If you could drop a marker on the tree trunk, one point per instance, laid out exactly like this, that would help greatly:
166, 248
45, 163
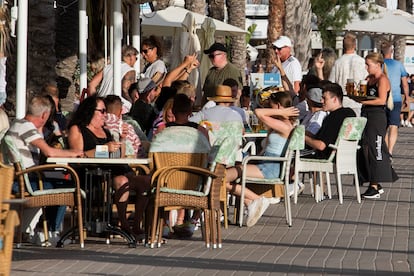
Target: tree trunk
275, 27
382, 3
198, 6
299, 31
237, 17
162, 4
216, 9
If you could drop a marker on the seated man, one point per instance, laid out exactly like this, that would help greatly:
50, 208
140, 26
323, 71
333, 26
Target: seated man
30, 143
314, 117
331, 102
222, 112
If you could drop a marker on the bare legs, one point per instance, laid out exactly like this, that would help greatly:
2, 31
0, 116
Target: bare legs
391, 137
232, 174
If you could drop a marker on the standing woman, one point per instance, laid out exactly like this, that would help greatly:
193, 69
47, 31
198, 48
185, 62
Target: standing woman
375, 159
152, 53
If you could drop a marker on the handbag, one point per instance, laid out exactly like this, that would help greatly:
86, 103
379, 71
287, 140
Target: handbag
390, 101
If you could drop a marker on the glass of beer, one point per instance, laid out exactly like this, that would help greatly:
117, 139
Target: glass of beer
350, 87
363, 88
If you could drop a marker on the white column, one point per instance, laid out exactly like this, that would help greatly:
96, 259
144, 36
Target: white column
136, 34
21, 67
83, 45
117, 26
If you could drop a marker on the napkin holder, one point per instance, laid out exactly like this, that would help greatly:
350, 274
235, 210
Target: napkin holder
102, 151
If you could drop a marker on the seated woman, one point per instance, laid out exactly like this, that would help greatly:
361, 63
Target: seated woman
86, 131
280, 121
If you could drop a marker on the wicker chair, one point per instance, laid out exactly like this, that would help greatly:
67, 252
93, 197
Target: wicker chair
8, 219
44, 197
177, 147
182, 180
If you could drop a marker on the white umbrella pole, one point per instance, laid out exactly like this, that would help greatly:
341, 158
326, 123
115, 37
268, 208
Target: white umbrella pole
83, 44
21, 60
117, 25
136, 32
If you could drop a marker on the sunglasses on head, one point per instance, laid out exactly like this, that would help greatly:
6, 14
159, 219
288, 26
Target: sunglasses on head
102, 111
146, 50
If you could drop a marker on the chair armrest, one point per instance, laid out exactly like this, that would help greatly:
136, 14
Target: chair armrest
49, 167
333, 146
42, 168
137, 168
168, 171
247, 159
162, 175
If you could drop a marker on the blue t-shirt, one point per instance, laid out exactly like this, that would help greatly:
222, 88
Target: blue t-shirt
396, 71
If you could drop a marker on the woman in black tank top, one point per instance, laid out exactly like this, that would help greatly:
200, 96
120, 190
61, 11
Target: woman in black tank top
375, 165
86, 131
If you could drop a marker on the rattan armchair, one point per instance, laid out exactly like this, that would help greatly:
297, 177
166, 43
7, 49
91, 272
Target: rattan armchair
44, 197
177, 153
8, 219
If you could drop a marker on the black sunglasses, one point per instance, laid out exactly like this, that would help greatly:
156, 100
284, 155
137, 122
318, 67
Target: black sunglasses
103, 110
277, 48
146, 50
214, 55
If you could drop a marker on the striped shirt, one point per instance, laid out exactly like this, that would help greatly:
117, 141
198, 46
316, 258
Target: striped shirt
23, 133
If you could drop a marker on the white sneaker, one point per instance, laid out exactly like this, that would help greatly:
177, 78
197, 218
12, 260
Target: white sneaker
402, 123
408, 124
291, 189
255, 210
273, 200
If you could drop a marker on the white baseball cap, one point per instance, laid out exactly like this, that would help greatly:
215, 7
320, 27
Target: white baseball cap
282, 41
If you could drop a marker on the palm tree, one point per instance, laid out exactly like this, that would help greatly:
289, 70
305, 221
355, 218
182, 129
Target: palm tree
237, 17
277, 12
216, 9
198, 6
299, 30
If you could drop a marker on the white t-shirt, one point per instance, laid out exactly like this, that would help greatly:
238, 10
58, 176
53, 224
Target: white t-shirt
348, 66
292, 68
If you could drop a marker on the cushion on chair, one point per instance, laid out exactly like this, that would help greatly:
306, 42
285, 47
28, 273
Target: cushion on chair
189, 141
352, 128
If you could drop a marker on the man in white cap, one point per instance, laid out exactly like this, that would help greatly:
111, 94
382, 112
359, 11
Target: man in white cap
283, 50
221, 70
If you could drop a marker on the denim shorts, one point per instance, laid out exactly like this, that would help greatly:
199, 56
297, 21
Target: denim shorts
270, 169
393, 116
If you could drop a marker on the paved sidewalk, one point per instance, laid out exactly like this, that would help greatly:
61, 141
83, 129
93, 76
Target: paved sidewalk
374, 237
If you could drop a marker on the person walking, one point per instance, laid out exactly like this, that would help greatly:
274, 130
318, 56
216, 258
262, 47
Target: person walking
399, 85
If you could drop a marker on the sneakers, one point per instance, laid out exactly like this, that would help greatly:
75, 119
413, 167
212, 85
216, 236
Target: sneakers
402, 123
380, 189
184, 230
408, 123
371, 193
255, 210
291, 189
273, 200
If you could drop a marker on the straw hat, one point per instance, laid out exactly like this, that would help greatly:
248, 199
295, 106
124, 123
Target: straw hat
223, 95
